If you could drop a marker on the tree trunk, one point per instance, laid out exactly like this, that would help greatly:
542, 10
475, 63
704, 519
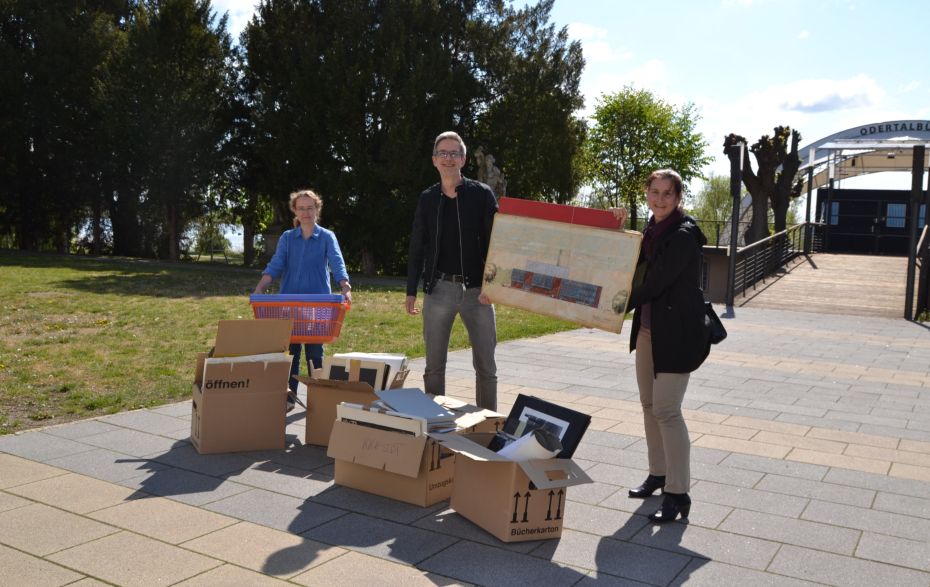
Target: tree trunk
248, 244
369, 267
171, 228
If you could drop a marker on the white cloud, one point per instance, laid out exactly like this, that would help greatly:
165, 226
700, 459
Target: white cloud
804, 34
825, 95
909, 87
584, 31
595, 44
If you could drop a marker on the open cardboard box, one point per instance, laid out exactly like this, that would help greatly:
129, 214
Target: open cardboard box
513, 501
240, 388
376, 451
323, 395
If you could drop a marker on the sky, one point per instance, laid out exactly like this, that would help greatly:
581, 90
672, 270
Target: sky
819, 66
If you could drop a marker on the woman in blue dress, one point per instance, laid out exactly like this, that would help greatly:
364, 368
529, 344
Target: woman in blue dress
305, 255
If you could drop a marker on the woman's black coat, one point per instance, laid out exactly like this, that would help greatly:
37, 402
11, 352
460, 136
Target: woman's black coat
671, 283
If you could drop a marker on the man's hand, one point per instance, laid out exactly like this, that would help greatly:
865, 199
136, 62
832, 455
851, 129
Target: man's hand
410, 304
484, 299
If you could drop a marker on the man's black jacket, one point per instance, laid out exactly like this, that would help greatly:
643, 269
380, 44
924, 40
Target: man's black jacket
477, 206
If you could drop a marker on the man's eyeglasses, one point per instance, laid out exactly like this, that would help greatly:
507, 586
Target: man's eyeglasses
449, 154
307, 209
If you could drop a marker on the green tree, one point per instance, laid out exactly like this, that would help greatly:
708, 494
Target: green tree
54, 55
773, 184
633, 134
713, 205
529, 125
176, 91
346, 97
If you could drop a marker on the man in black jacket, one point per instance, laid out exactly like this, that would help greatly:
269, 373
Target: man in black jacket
448, 248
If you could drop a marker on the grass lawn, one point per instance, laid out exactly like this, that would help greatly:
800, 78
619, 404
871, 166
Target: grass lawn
81, 337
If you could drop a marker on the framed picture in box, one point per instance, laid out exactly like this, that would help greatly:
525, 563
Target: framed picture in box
530, 413
371, 372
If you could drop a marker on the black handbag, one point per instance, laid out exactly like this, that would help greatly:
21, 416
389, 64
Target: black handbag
715, 330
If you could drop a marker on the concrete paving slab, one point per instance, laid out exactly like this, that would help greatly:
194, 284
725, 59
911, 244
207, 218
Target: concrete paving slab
374, 505
131, 442
265, 550
791, 531
75, 493
163, 519
814, 490
78, 430
868, 520
275, 510
447, 521
901, 552
107, 465
738, 549
381, 538
185, 456
702, 573
185, 486
147, 421
484, 565
19, 471
614, 557
41, 530
21, 569
11, 502
231, 576
41, 447
128, 559
834, 569
354, 569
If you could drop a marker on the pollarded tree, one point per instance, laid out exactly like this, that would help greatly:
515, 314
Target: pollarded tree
633, 134
778, 162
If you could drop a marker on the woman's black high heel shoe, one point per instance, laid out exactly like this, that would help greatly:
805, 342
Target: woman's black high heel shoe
649, 486
672, 505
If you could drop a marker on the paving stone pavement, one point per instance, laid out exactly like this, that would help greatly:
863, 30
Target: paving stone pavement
811, 466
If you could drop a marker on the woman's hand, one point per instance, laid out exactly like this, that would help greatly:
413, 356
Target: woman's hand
620, 214
346, 290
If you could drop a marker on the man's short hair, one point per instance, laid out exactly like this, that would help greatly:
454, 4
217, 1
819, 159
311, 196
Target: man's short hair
449, 135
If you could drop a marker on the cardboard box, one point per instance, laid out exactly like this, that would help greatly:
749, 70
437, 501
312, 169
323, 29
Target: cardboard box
377, 453
240, 388
513, 501
405, 467
323, 395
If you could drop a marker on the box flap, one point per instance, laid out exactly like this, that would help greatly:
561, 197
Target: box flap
463, 445
335, 383
379, 449
370, 415
251, 337
567, 472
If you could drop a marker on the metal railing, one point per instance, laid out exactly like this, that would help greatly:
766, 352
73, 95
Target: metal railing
756, 262
923, 275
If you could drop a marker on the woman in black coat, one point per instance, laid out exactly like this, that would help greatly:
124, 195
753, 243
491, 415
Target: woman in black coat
669, 337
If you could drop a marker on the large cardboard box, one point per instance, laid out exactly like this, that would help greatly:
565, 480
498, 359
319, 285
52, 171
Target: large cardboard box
513, 501
240, 388
390, 455
323, 395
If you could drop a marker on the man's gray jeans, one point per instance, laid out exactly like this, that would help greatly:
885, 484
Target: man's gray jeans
439, 309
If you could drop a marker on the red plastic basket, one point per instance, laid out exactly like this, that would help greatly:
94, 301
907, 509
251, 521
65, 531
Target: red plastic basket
317, 318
